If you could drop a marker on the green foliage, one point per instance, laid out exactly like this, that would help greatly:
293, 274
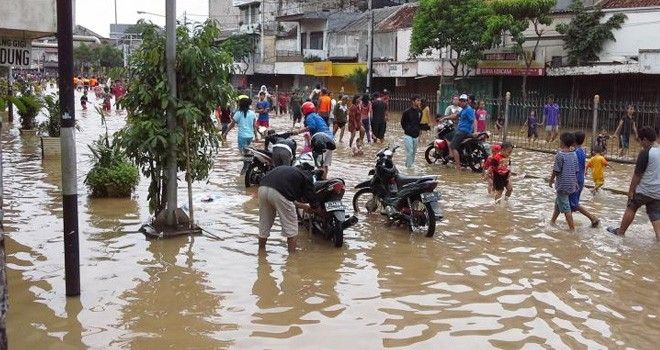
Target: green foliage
585, 35
241, 47
116, 73
312, 59
93, 57
454, 24
53, 125
358, 78
203, 82
112, 174
3, 104
28, 107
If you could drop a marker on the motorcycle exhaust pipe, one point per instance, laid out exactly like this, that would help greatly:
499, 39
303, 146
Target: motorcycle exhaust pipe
247, 160
349, 222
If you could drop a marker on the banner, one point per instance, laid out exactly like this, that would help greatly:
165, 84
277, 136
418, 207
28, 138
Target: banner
15, 52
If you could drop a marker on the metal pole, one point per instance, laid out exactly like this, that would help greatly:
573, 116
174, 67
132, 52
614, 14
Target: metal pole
277, 100
170, 57
10, 93
68, 148
115, 11
262, 9
594, 123
506, 116
370, 51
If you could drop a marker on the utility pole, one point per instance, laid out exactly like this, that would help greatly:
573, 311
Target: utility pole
170, 58
68, 148
370, 51
261, 30
115, 11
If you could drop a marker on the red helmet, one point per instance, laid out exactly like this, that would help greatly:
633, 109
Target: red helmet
308, 108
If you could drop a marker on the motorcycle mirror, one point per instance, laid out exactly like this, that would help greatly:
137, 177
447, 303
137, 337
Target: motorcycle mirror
372, 172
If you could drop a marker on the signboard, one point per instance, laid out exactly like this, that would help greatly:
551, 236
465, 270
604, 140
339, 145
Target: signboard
501, 56
15, 52
532, 72
319, 69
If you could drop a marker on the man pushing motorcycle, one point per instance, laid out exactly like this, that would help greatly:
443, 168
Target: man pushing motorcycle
467, 123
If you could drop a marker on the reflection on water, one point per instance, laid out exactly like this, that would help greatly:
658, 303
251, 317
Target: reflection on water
494, 276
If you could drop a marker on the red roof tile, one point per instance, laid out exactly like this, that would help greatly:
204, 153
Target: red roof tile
403, 18
616, 4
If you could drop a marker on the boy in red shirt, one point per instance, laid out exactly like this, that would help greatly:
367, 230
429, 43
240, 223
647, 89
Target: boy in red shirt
501, 172
488, 163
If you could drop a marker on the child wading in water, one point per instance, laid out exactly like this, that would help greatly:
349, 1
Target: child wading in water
565, 171
531, 126
501, 172
597, 164
574, 198
83, 101
488, 164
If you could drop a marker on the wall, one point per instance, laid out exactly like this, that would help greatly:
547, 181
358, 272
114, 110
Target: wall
343, 44
385, 45
36, 17
225, 13
288, 44
639, 31
403, 38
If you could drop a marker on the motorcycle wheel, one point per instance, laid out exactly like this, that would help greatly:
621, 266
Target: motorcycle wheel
476, 160
430, 155
371, 205
336, 233
253, 175
420, 208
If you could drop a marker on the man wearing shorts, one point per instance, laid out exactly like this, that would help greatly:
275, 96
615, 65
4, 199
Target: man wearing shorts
278, 190
645, 184
625, 129
466, 126
551, 119
263, 107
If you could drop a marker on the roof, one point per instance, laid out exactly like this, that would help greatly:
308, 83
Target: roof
618, 4
403, 18
339, 20
80, 30
360, 22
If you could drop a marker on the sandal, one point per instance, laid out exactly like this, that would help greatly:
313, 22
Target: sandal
614, 231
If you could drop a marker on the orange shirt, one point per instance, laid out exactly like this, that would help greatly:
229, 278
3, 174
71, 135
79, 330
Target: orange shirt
325, 104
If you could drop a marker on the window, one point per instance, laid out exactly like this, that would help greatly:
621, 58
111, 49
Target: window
316, 40
303, 41
250, 14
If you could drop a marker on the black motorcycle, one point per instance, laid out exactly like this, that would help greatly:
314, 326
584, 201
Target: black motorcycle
258, 162
404, 200
327, 214
472, 150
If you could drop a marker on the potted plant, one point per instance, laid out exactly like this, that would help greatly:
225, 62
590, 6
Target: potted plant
28, 107
112, 174
51, 128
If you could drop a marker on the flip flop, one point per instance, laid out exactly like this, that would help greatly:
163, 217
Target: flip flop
612, 230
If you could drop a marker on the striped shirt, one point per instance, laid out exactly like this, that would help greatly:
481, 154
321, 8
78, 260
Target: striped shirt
566, 168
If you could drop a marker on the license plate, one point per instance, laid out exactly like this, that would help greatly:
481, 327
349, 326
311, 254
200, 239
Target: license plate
334, 206
430, 197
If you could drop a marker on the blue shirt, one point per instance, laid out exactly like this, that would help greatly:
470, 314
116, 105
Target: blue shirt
466, 120
245, 122
266, 106
581, 161
566, 164
551, 112
316, 124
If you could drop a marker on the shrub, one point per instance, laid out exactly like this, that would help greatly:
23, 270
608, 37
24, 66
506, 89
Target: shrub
28, 107
112, 174
52, 126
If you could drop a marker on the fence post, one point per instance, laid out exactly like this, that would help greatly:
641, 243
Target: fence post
250, 92
505, 129
594, 123
438, 101
276, 100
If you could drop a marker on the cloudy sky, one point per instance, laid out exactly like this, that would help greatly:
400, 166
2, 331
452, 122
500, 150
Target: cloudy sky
98, 14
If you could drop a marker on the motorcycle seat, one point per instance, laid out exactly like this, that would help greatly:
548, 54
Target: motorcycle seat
406, 180
320, 184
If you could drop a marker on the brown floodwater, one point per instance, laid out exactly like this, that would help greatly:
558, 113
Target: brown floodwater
494, 276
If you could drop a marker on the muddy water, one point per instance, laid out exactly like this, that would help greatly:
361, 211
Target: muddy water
494, 276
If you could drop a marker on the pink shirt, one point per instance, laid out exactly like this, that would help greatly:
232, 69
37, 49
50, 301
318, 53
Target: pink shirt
365, 110
481, 119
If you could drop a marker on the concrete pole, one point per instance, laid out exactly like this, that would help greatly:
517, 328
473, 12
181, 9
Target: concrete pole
68, 145
594, 123
506, 116
10, 93
262, 10
276, 100
170, 57
370, 51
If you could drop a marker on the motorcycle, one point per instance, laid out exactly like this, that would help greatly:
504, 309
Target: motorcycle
258, 162
472, 150
327, 213
403, 200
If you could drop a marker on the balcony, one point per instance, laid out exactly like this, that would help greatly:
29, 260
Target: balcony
288, 56
310, 53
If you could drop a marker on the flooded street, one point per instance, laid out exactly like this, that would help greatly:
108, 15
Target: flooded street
493, 276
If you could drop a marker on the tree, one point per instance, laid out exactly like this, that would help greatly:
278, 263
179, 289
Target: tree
203, 82
241, 47
585, 35
457, 25
358, 78
514, 17
84, 57
94, 57
109, 56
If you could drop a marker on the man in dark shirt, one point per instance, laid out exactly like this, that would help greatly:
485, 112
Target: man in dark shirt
278, 190
410, 123
378, 118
